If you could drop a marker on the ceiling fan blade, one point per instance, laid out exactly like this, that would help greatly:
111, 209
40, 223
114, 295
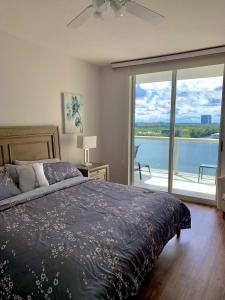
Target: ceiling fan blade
81, 18
143, 12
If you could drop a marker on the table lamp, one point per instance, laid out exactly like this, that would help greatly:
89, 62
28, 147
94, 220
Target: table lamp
86, 142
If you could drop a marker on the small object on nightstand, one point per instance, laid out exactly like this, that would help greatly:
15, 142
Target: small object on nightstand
98, 171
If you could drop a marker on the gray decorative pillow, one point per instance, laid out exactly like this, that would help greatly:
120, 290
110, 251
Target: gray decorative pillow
27, 178
31, 177
7, 186
60, 171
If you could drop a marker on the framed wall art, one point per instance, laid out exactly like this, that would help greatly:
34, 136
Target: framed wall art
73, 113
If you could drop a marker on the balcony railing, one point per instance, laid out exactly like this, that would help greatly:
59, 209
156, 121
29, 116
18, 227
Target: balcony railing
177, 143
195, 140
189, 155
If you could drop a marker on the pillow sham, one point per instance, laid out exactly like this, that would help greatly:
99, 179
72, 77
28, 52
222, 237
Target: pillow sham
31, 177
30, 162
7, 186
60, 171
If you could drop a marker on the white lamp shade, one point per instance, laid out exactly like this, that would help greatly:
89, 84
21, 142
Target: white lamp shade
86, 142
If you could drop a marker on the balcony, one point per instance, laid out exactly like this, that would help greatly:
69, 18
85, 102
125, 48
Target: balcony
189, 154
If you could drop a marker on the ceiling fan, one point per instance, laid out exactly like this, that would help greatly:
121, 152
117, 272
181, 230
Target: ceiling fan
119, 7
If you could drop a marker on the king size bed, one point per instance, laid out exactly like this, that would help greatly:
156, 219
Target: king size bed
78, 238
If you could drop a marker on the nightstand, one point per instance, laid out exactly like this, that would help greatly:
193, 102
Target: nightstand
97, 170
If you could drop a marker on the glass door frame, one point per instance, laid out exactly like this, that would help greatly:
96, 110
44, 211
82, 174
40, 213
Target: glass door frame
172, 130
222, 128
172, 136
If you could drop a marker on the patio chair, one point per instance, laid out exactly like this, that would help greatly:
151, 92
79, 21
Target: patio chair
137, 165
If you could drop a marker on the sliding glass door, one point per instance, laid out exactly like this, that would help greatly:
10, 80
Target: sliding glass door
152, 130
176, 133
197, 130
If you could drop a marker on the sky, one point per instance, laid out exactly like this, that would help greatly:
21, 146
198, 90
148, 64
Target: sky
195, 97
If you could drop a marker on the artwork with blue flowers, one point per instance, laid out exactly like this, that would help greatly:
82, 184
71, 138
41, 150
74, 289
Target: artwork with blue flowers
73, 113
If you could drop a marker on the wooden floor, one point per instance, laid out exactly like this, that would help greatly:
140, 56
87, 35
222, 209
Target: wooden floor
192, 268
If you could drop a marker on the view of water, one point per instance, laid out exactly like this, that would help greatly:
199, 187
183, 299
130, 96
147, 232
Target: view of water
191, 155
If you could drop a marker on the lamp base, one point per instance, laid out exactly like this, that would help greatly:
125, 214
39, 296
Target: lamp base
86, 158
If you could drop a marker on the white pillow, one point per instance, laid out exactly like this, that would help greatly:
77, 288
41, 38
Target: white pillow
30, 162
40, 174
31, 177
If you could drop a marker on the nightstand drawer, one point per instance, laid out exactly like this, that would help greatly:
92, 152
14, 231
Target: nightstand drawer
99, 174
96, 170
96, 173
100, 177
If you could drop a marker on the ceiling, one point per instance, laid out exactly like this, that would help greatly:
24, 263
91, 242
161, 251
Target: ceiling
189, 25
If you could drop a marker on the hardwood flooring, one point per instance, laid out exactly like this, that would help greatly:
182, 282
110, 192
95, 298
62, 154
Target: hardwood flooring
192, 267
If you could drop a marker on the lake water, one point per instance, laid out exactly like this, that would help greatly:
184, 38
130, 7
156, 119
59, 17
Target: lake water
191, 155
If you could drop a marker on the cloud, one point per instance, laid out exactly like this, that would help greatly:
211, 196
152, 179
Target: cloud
195, 97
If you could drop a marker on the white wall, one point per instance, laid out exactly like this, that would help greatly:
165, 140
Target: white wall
32, 79
116, 105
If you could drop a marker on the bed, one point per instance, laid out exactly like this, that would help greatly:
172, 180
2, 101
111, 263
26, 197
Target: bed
78, 238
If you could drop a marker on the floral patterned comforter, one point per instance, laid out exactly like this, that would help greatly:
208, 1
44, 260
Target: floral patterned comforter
85, 240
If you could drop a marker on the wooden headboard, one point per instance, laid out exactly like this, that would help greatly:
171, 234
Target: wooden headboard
28, 143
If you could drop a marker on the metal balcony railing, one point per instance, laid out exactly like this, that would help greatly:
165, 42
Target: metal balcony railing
177, 142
